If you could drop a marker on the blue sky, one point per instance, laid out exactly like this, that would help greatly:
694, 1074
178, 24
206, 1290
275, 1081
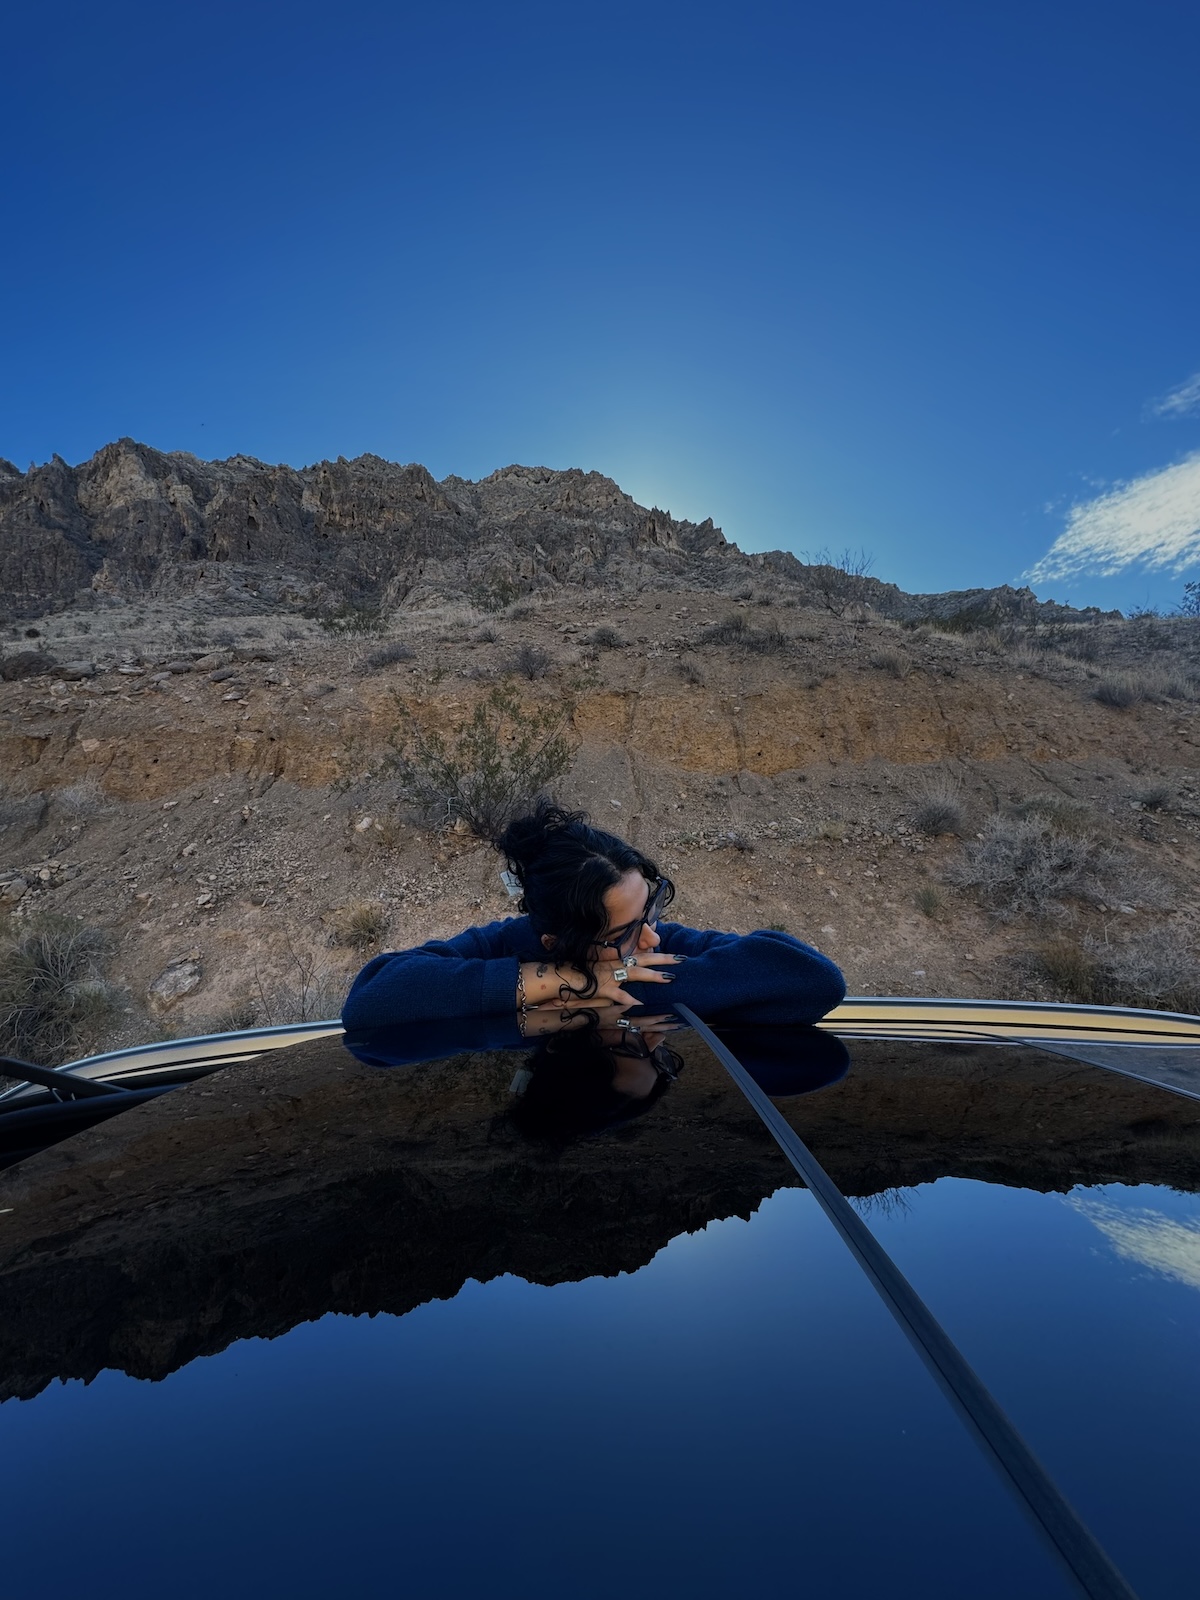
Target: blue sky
915, 278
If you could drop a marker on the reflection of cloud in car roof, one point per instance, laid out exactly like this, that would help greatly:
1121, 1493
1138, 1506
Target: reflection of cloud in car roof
1147, 1237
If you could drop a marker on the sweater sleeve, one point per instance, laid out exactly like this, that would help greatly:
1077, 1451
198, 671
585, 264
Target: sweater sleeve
471, 975
768, 975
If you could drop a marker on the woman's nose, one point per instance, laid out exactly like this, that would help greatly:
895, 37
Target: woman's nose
647, 939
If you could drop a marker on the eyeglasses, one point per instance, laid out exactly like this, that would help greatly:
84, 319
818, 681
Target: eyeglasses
625, 940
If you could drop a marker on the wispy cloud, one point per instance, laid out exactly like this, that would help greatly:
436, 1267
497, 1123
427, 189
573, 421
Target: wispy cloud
1179, 402
1153, 521
1147, 1237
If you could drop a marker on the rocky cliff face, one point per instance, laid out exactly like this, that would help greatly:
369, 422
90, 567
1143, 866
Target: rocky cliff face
134, 522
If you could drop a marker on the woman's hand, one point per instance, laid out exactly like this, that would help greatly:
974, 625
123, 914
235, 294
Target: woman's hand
556, 988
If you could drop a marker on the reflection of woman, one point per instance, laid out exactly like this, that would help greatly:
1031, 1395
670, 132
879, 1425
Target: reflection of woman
588, 1080
591, 939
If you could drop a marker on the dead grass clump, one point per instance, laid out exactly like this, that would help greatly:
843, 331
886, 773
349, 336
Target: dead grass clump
765, 641
605, 638
1152, 969
1121, 690
80, 802
386, 656
1026, 659
1024, 866
734, 631
893, 661
488, 634
53, 993
689, 671
531, 662
939, 808
360, 927
729, 631
1068, 816
1157, 798
929, 900
1081, 647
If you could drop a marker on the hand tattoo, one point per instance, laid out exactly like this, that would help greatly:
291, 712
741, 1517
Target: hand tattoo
543, 969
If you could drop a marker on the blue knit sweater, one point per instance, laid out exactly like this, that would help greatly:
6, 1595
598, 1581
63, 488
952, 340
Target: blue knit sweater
770, 976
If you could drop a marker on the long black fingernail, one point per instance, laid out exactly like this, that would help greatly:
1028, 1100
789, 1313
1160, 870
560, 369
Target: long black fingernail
668, 980
681, 958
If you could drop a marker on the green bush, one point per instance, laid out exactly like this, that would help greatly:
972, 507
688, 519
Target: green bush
487, 770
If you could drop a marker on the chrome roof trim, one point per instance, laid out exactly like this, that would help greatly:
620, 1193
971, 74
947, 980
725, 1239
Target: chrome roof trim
897, 1018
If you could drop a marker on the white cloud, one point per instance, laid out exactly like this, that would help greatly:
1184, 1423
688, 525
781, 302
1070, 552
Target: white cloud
1154, 520
1147, 1237
1179, 402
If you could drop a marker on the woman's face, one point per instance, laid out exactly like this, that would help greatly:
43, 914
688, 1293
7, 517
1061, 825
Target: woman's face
625, 902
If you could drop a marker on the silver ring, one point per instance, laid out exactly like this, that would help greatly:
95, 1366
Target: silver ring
620, 974
631, 961
624, 1022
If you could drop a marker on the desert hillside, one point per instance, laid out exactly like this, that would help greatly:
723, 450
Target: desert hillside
958, 795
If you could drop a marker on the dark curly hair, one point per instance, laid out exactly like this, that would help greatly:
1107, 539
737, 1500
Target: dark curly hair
566, 865
571, 1094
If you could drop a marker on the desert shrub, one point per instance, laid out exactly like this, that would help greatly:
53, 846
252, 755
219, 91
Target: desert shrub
1120, 690
26, 664
1170, 686
386, 656
81, 801
730, 630
531, 662
1024, 866
1081, 646
893, 661
837, 582
832, 828
765, 641
312, 994
1189, 606
605, 638
52, 988
1157, 798
361, 926
1068, 816
487, 770
1026, 659
734, 630
1153, 969
488, 634
939, 807
689, 671
350, 617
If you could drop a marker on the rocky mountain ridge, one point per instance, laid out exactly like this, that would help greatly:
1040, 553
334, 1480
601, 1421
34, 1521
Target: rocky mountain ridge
370, 535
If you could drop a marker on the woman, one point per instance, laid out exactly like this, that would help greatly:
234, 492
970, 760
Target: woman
591, 940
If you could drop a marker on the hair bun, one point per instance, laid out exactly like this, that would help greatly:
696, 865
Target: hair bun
526, 837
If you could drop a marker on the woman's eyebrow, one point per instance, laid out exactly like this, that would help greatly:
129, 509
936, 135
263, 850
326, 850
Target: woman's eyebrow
625, 926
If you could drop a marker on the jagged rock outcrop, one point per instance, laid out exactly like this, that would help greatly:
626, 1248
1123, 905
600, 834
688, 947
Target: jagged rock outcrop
135, 522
